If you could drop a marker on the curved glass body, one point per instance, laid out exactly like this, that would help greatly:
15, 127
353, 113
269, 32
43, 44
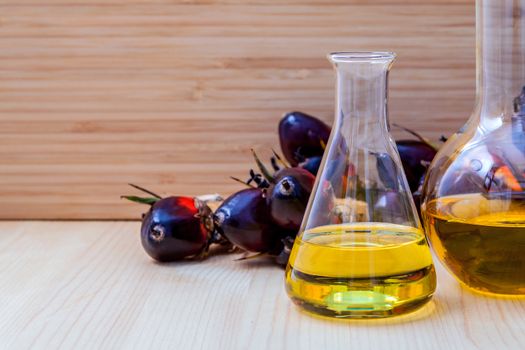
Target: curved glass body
473, 199
361, 251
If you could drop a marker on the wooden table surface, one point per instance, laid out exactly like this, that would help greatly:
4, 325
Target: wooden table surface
90, 285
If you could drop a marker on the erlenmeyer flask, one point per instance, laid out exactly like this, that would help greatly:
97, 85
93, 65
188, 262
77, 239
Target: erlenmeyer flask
474, 196
361, 251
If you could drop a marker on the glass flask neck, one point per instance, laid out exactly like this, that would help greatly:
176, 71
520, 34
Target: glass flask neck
361, 178
500, 61
362, 86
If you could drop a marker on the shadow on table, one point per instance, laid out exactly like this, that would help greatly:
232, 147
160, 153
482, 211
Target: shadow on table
215, 252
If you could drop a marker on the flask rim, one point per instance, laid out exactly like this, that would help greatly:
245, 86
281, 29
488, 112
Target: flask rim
361, 56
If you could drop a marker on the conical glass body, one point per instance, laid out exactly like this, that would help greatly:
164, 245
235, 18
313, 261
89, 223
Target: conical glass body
474, 203
361, 251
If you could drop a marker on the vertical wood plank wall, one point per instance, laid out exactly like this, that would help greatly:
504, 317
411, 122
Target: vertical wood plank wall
172, 94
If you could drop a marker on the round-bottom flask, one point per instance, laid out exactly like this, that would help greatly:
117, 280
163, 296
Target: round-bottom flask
474, 196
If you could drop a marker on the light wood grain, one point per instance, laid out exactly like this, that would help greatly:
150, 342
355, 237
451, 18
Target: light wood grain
173, 94
90, 285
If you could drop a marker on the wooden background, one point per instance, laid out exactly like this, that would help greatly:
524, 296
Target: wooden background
171, 94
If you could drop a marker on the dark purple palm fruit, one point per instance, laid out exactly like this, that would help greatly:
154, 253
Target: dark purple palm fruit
312, 164
418, 193
341, 173
175, 227
295, 187
284, 255
518, 123
288, 193
415, 155
244, 219
302, 136
387, 170
389, 206
288, 197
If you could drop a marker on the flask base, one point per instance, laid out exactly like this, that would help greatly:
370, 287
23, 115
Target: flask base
480, 239
376, 297
492, 290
